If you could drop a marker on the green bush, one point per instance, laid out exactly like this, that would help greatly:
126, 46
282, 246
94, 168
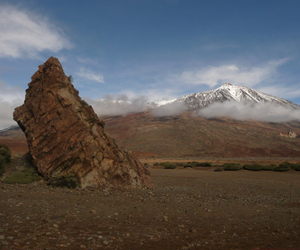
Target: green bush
296, 166
70, 78
69, 181
282, 167
84, 103
203, 164
269, 167
5, 152
156, 164
169, 165
2, 161
253, 167
193, 163
188, 166
218, 169
180, 164
286, 164
231, 166
22, 176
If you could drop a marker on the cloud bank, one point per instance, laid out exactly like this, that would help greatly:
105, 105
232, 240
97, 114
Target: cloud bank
265, 112
26, 34
170, 109
122, 105
10, 98
213, 76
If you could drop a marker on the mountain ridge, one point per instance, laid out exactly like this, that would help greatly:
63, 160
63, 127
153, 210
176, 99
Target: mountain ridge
227, 92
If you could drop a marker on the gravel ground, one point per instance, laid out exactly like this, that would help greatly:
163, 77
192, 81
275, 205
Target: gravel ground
188, 209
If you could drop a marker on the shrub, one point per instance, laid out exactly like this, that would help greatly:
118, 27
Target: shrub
203, 164
296, 166
69, 181
282, 168
269, 167
188, 166
156, 164
286, 164
169, 165
253, 167
180, 163
218, 169
70, 78
22, 176
2, 161
84, 103
193, 163
5, 152
231, 166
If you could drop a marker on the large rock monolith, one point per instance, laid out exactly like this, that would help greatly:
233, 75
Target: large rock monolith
65, 136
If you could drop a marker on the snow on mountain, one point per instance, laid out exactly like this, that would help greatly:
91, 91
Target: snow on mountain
226, 92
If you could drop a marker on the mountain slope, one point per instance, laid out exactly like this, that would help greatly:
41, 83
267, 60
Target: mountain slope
226, 92
188, 136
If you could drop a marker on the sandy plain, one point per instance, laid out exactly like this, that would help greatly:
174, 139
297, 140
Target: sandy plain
188, 209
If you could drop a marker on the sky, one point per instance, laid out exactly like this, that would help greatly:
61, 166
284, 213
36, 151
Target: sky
151, 49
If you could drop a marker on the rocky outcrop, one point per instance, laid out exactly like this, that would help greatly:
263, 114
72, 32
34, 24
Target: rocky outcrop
65, 136
290, 134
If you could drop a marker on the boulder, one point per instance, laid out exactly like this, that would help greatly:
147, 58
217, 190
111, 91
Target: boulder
292, 134
65, 136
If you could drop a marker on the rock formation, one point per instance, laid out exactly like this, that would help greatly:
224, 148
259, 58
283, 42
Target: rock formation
65, 136
290, 134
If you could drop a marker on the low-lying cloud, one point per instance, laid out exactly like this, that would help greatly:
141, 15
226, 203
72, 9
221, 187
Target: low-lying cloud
10, 98
170, 109
266, 112
6, 112
122, 105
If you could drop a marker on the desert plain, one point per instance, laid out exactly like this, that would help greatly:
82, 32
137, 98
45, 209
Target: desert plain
188, 209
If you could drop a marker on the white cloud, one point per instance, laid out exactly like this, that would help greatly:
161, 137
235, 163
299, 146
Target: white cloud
213, 76
170, 109
10, 98
282, 91
267, 112
121, 105
26, 34
90, 75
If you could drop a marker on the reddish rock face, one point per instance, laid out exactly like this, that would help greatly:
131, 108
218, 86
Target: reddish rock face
65, 136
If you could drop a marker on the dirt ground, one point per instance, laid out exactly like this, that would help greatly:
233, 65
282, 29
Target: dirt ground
188, 209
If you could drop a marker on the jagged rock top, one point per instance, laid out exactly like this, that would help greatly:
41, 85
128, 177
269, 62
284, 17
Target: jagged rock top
65, 136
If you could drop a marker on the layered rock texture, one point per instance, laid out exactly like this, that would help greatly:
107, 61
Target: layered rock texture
65, 136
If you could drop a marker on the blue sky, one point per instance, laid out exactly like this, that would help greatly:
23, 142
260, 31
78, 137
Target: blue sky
160, 49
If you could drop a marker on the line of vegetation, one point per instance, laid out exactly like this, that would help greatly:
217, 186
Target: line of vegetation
231, 166
24, 176
5, 157
183, 164
65, 180
285, 166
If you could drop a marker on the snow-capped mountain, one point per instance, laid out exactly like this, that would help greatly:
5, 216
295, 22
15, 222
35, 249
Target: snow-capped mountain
226, 92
